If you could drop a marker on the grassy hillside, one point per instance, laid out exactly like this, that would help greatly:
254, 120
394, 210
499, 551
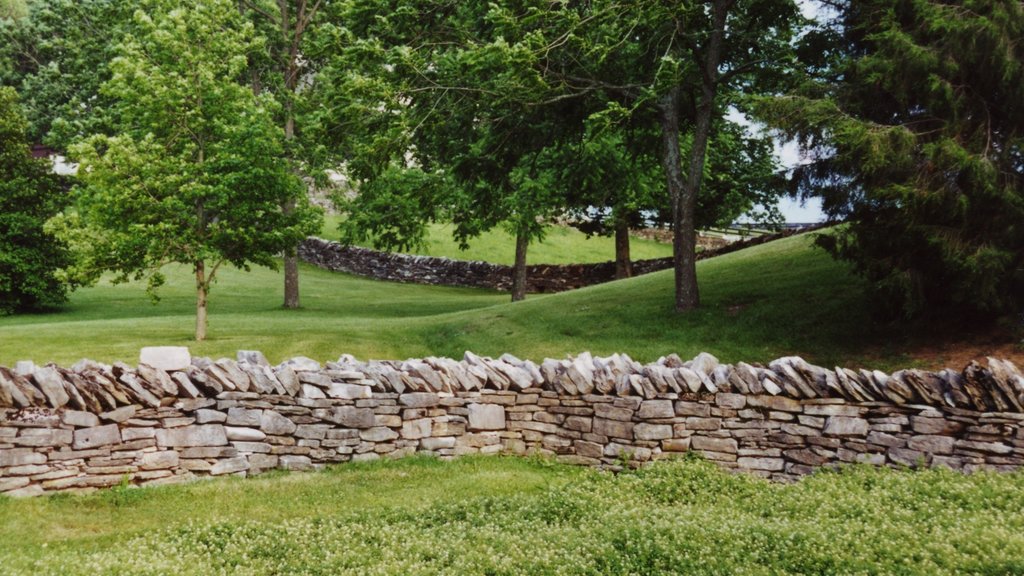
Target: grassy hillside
561, 245
779, 298
531, 517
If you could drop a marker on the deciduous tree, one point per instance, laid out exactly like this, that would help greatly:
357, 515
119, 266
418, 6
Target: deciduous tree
197, 173
916, 125
30, 194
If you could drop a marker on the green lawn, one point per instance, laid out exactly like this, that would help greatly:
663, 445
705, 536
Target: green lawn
761, 303
561, 245
531, 517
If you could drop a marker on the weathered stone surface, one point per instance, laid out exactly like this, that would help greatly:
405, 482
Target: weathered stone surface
613, 428
352, 417
434, 444
293, 462
243, 434
727, 445
122, 414
244, 417
95, 437
486, 417
274, 423
349, 391
159, 460
80, 419
51, 383
645, 431
378, 434
43, 437
230, 466
20, 457
196, 435
932, 444
419, 399
655, 409
204, 416
167, 358
767, 464
416, 429
845, 426
611, 412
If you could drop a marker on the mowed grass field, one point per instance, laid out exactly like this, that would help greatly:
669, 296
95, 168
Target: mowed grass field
777, 299
561, 245
495, 515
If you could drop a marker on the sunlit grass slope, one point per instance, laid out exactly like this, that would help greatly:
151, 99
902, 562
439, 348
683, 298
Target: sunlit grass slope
561, 245
780, 298
528, 517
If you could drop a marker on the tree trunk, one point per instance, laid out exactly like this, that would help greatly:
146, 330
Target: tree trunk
623, 264
684, 241
519, 269
291, 260
200, 268
684, 192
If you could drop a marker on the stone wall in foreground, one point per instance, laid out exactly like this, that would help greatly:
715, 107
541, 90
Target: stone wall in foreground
174, 418
540, 278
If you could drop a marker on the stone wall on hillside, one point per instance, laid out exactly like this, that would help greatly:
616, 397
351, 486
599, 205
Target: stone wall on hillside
540, 278
174, 418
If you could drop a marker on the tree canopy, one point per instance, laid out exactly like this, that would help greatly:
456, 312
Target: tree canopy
196, 174
30, 194
916, 125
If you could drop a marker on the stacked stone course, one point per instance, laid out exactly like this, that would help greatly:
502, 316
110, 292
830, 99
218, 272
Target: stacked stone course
174, 418
540, 278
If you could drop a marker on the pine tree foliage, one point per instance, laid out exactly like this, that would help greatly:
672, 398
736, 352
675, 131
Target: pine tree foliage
29, 195
917, 132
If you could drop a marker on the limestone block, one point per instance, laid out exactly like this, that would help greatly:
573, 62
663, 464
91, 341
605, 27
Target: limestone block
122, 414
80, 419
97, 436
486, 417
243, 434
419, 400
352, 417
349, 391
698, 409
761, 463
51, 384
294, 462
167, 358
645, 431
437, 443
205, 416
378, 434
613, 428
20, 457
43, 437
656, 409
611, 412
159, 460
274, 423
846, 426
196, 435
230, 466
932, 444
726, 445
238, 416
416, 429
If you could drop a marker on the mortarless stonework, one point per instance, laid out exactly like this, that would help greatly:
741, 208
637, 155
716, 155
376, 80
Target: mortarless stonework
543, 278
94, 425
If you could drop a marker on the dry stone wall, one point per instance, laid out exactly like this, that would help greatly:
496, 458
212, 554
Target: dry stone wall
540, 278
174, 418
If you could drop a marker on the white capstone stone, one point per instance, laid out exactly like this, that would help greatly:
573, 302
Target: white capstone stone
166, 357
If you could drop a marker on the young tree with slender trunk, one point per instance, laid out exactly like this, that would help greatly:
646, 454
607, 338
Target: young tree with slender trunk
287, 73
196, 175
